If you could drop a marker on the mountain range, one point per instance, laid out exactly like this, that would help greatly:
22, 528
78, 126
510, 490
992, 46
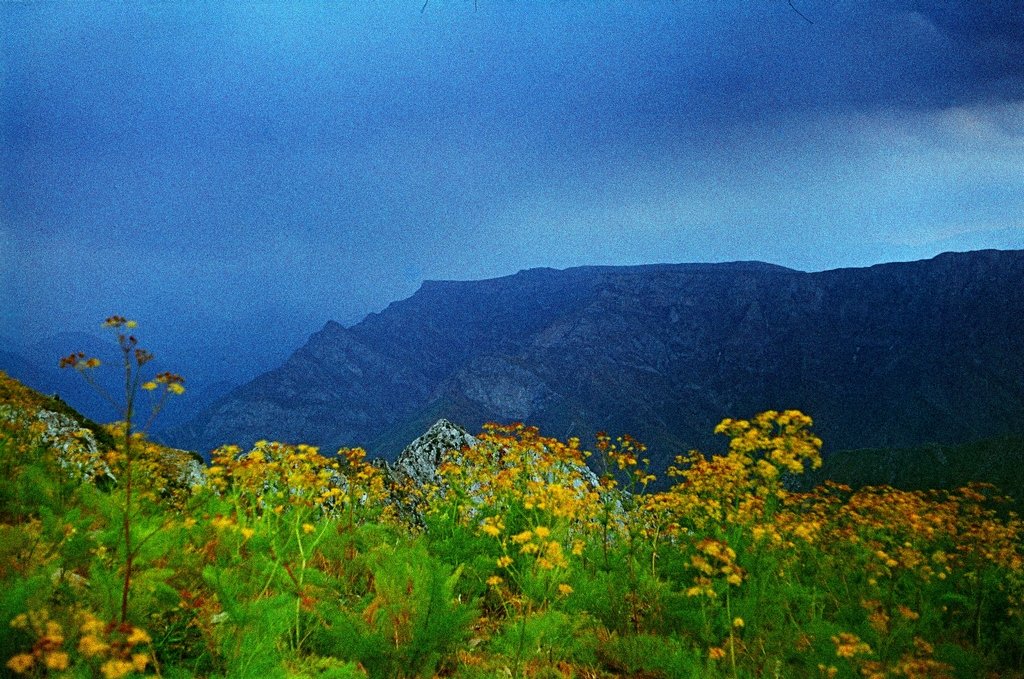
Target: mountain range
898, 354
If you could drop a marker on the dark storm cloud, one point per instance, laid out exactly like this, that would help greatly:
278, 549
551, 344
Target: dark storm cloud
274, 165
985, 39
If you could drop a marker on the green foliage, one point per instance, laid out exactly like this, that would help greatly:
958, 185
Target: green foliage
651, 655
550, 637
18, 595
410, 619
249, 632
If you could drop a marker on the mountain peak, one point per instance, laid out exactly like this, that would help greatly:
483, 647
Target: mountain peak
332, 326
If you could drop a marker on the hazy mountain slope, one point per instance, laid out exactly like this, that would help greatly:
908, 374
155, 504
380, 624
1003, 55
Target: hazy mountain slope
37, 365
895, 354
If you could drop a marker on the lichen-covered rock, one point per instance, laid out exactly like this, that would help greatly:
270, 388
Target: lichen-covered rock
73, 446
76, 447
419, 461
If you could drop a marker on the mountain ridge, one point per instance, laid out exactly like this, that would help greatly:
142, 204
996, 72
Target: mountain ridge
662, 352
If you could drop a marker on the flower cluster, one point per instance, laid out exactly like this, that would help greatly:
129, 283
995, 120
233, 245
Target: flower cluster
114, 649
274, 476
714, 559
514, 464
171, 382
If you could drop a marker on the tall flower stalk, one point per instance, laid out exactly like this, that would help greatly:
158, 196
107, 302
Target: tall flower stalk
165, 384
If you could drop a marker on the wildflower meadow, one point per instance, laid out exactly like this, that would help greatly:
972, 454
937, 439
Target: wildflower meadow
529, 557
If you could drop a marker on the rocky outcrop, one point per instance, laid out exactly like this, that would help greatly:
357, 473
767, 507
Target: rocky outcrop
77, 450
188, 469
890, 355
419, 460
413, 477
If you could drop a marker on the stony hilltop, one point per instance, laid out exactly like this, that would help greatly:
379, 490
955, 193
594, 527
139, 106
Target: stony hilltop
890, 355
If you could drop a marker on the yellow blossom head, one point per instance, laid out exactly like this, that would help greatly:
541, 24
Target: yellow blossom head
56, 660
21, 663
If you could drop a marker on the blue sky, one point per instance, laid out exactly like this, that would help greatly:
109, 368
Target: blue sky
241, 173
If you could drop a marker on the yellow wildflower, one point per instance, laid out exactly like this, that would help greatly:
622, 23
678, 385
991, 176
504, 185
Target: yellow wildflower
908, 613
491, 529
21, 663
520, 538
138, 636
57, 660
90, 646
564, 589
139, 661
54, 633
91, 624
115, 669
850, 645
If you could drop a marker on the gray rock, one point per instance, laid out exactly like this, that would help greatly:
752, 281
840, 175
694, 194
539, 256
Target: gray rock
419, 460
77, 450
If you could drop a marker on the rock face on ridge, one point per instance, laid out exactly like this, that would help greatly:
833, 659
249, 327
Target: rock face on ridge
890, 355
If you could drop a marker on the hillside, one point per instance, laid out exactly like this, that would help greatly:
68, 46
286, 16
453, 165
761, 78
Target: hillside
891, 355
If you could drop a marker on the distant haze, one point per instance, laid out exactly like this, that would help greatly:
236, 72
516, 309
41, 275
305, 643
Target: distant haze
233, 175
